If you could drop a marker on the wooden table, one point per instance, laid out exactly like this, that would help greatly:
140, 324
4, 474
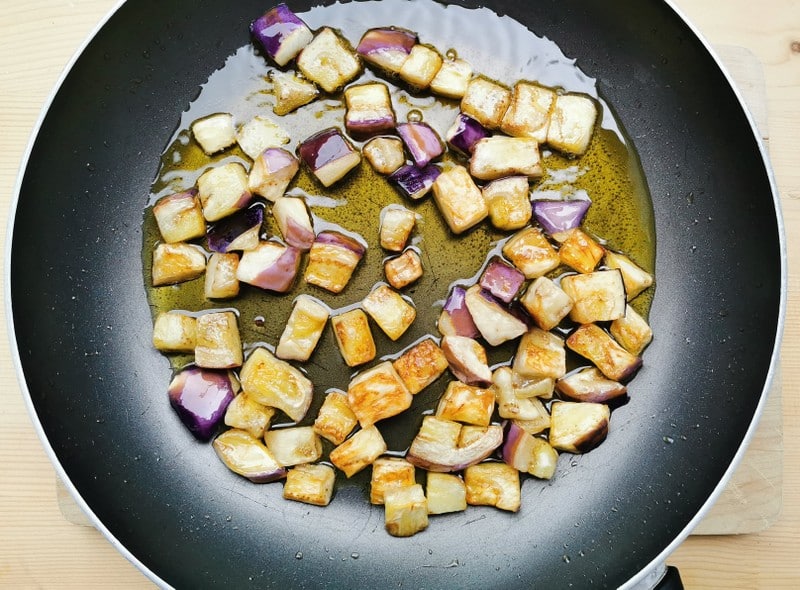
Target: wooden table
41, 548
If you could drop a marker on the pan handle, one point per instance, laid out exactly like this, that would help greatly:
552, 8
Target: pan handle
671, 580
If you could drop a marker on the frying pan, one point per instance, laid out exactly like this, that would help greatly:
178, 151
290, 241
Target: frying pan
82, 327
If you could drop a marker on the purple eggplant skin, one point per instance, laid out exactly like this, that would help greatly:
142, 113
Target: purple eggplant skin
200, 397
414, 182
281, 33
465, 133
224, 233
323, 148
502, 280
343, 241
387, 47
422, 141
560, 216
457, 315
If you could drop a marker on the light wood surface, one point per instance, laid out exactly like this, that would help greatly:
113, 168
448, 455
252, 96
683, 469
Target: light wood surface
41, 548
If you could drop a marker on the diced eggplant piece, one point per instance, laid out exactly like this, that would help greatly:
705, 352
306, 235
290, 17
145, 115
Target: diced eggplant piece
421, 365
359, 451
245, 414
592, 342
390, 311
578, 427
493, 484
464, 133
471, 433
239, 231
459, 199
495, 323
529, 112
291, 92
422, 142
557, 217
281, 33
538, 424
214, 133
294, 221
446, 493
498, 156
540, 354
541, 387
368, 110
580, 251
467, 360
466, 403
218, 344
294, 446
531, 253
329, 61
486, 101
310, 484
329, 155
635, 278
385, 154
403, 270
589, 385
200, 398
335, 420
174, 332
387, 48
597, 296
272, 382
260, 133
508, 202
223, 190
272, 172
180, 217
546, 302
452, 79
632, 331
303, 329
528, 453
244, 454
414, 182
221, 281
455, 319
572, 123
406, 510
389, 472
501, 280
332, 260
176, 263
354, 337
436, 445
421, 67
377, 394
271, 266
396, 225
513, 407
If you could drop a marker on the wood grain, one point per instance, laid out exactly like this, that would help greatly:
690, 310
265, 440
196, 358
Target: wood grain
39, 548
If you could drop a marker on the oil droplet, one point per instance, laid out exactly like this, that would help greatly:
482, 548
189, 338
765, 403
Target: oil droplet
355, 555
565, 558
414, 116
451, 54
298, 555
259, 321
669, 440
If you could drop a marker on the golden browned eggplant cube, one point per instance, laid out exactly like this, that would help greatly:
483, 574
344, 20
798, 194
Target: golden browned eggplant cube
493, 484
421, 365
578, 427
329, 61
580, 251
294, 446
528, 410
377, 393
632, 331
385, 154
272, 382
531, 252
218, 344
486, 101
389, 472
221, 281
403, 270
466, 403
310, 484
176, 263
547, 303
248, 415
174, 332
594, 343
509, 202
291, 92
332, 259
572, 123
499, 156
459, 199
396, 225
528, 115
180, 217
421, 67
390, 311
597, 296
446, 492
214, 133
223, 190
335, 420
540, 354
358, 451
303, 329
635, 278
589, 385
406, 510
354, 337
452, 78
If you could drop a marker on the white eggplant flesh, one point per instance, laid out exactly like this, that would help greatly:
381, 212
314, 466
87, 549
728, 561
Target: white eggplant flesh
294, 446
631, 331
260, 133
546, 302
291, 92
459, 199
218, 344
223, 190
580, 251
590, 385
528, 115
578, 427
466, 404
436, 448
498, 156
329, 61
378, 393
180, 217
294, 222
508, 200
354, 337
572, 123
452, 79
387, 48
303, 329
332, 259
359, 451
271, 266
310, 484
467, 360
244, 454
214, 133
221, 281
540, 354
421, 67
531, 252
385, 154
513, 407
329, 155
446, 493
273, 382
397, 223
635, 278
174, 332
403, 270
495, 323
368, 110
389, 472
245, 414
486, 101
272, 172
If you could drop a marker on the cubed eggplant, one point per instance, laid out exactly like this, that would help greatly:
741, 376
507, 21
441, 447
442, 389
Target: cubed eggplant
572, 123
403, 270
593, 343
390, 310
597, 296
387, 47
332, 259
557, 217
546, 302
260, 133
528, 454
272, 172
466, 403
464, 133
385, 154
335, 420
281, 33
421, 365
174, 332
494, 321
329, 155
580, 251
467, 360
414, 182
421, 66
329, 61
493, 484
239, 231
294, 222
635, 278
214, 133
632, 331
303, 329
291, 92
218, 344
501, 280
486, 101
176, 263
180, 217
446, 493
452, 79
509, 202
397, 222
245, 414
540, 354
422, 142
459, 199
578, 427
531, 253
221, 281
223, 190
354, 337
368, 110
528, 115
529, 410
294, 446
272, 382
310, 484
455, 319
406, 510
498, 156
244, 454
389, 472
377, 393
589, 385
200, 398
271, 266
436, 445
359, 451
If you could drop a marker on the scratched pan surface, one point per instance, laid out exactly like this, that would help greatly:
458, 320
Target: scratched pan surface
82, 324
